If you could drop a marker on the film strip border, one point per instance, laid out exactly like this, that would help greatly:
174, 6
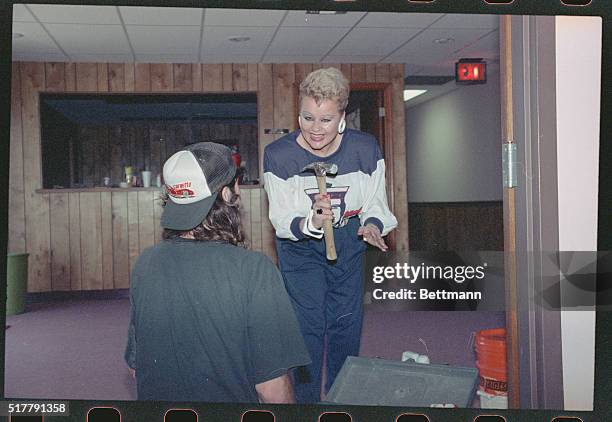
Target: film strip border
153, 411
112, 414
494, 2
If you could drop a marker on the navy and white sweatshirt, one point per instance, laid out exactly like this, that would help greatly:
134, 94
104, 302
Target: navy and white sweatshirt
357, 190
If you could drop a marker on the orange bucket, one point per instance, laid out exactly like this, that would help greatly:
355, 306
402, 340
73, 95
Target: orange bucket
491, 361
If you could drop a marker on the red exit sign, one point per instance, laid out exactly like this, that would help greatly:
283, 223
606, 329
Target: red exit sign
471, 71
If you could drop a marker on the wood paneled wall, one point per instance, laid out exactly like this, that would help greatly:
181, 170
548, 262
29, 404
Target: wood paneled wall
96, 236
106, 150
88, 240
457, 226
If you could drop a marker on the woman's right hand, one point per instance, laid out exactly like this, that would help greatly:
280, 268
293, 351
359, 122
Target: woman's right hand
323, 203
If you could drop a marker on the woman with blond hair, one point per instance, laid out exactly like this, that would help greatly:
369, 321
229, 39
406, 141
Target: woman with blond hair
326, 295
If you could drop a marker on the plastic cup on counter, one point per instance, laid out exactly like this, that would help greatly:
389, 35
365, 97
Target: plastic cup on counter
146, 179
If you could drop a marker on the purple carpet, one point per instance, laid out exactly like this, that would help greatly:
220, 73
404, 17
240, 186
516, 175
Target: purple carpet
73, 349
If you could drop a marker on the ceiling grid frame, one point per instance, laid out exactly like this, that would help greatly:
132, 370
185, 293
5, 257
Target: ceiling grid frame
51, 48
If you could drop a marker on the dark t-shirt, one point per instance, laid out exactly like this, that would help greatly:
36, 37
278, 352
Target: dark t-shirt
209, 321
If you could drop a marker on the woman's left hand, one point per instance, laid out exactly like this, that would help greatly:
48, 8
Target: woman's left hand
372, 235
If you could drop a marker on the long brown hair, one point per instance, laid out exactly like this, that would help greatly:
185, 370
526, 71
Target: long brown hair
223, 222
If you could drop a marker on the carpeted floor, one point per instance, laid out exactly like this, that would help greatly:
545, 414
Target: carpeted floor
73, 349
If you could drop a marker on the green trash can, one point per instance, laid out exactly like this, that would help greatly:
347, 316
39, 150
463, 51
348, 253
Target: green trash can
16, 282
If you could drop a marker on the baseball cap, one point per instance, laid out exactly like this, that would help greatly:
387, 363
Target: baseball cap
193, 178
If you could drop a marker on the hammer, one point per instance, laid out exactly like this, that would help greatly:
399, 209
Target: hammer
320, 170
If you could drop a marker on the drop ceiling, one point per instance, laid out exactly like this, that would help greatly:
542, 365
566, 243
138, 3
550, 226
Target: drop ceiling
185, 35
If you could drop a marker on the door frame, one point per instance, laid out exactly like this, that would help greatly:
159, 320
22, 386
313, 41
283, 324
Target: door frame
531, 235
387, 142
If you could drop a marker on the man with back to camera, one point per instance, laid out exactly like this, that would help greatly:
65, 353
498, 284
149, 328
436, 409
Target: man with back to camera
210, 320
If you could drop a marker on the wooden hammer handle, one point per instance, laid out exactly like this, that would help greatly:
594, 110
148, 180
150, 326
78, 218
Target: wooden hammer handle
328, 230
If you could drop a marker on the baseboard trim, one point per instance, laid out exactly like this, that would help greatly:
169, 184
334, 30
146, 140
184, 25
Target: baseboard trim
39, 297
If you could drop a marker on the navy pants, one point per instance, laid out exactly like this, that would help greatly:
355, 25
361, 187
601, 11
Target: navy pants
327, 298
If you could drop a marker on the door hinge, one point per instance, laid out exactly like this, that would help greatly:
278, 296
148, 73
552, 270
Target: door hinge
509, 164
381, 112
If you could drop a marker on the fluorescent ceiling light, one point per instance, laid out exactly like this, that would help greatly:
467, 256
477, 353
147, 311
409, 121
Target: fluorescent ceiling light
444, 40
411, 93
239, 39
326, 12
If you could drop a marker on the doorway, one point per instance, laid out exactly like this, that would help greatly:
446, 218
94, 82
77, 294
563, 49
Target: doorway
366, 111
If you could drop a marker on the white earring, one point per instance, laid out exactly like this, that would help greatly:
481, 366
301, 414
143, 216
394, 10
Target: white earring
342, 126
300, 119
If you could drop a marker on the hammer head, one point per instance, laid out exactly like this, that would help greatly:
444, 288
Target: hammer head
321, 168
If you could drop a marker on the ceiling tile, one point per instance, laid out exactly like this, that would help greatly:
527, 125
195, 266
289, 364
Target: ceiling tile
426, 50
164, 39
101, 58
398, 20
133, 15
364, 41
288, 41
296, 41
444, 68
89, 39
352, 59
486, 47
241, 17
466, 21
35, 39
230, 58
301, 19
215, 40
38, 57
21, 14
166, 58
55, 13
291, 59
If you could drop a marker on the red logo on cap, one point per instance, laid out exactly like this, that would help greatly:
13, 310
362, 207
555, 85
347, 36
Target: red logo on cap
181, 190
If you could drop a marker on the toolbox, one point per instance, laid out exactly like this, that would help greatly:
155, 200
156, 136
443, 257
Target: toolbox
380, 382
